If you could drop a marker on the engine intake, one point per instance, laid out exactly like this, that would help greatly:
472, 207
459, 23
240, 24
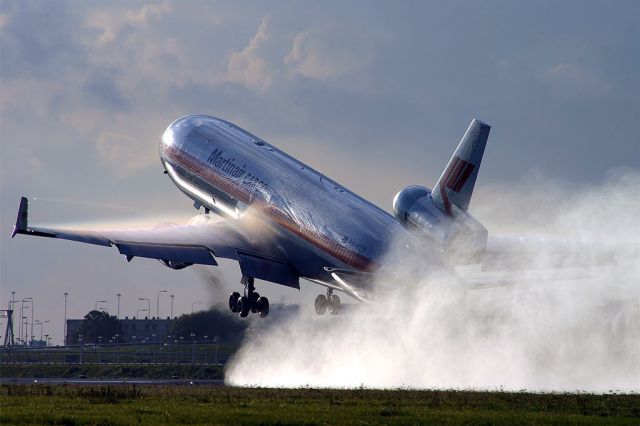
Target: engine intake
459, 236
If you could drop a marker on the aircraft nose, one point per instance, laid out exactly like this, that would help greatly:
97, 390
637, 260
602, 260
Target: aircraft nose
178, 132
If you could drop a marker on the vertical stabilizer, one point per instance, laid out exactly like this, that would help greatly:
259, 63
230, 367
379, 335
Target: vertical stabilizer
455, 186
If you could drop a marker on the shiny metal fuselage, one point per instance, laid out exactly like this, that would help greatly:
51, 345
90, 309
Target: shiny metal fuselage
316, 222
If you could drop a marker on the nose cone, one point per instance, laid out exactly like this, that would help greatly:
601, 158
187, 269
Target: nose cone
178, 132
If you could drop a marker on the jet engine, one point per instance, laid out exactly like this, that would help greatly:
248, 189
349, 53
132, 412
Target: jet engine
173, 264
460, 237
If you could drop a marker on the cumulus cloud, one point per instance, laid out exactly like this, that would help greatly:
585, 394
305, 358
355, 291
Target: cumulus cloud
247, 66
313, 55
112, 23
125, 153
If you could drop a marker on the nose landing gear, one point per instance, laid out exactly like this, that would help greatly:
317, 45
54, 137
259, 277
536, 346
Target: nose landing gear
250, 302
330, 302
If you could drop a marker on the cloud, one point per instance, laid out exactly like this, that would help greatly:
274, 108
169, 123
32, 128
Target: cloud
114, 23
39, 40
247, 66
574, 77
102, 88
316, 56
124, 153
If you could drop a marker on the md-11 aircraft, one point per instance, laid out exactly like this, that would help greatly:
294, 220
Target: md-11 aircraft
284, 221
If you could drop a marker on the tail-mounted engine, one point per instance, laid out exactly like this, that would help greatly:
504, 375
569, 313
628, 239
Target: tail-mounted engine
460, 237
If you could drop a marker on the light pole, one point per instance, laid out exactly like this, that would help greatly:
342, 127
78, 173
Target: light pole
95, 307
32, 309
148, 304
118, 313
25, 323
172, 296
158, 302
13, 301
41, 324
65, 317
24, 299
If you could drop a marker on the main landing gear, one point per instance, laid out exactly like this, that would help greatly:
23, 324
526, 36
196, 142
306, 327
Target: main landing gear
330, 301
250, 302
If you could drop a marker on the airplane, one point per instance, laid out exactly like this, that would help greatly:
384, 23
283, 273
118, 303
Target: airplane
283, 221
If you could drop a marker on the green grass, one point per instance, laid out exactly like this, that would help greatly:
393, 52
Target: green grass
76, 405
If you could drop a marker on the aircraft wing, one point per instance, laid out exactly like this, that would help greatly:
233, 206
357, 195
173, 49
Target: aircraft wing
520, 253
176, 246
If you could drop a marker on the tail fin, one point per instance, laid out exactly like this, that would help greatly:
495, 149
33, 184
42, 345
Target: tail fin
455, 186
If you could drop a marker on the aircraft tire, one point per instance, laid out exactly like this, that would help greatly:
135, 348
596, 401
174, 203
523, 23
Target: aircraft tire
254, 297
233, 301
263, 307
244, 306
334, 305
321, 304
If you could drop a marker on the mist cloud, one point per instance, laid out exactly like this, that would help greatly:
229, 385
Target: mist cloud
430, 331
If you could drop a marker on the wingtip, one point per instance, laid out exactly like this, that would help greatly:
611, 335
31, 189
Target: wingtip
22, 222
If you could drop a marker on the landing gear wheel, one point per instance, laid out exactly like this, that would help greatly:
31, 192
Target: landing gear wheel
321, 304
334, 305
253, 297
233, 301
244, 306
262, 306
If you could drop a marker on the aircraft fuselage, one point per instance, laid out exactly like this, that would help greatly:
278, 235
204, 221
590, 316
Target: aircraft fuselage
228, 170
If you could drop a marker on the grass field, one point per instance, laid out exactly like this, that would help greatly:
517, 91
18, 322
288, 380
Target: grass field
76, 405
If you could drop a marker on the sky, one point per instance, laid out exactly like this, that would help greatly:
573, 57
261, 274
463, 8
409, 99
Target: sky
374, 94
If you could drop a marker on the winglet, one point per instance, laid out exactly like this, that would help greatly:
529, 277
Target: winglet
23, 218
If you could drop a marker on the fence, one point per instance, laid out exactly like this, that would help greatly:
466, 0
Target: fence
181, 352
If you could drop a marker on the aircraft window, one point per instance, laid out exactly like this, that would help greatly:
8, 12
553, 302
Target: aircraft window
258, 142
268, 148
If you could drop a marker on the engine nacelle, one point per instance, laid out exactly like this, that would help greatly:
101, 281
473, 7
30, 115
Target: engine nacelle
173, 264
459, 236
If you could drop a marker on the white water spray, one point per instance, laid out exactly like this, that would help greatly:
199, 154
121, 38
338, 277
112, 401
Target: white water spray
432, 332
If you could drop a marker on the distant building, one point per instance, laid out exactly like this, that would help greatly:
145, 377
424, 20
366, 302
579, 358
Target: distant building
133, 330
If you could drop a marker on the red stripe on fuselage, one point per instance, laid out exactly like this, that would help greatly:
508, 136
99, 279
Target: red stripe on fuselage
235, 190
